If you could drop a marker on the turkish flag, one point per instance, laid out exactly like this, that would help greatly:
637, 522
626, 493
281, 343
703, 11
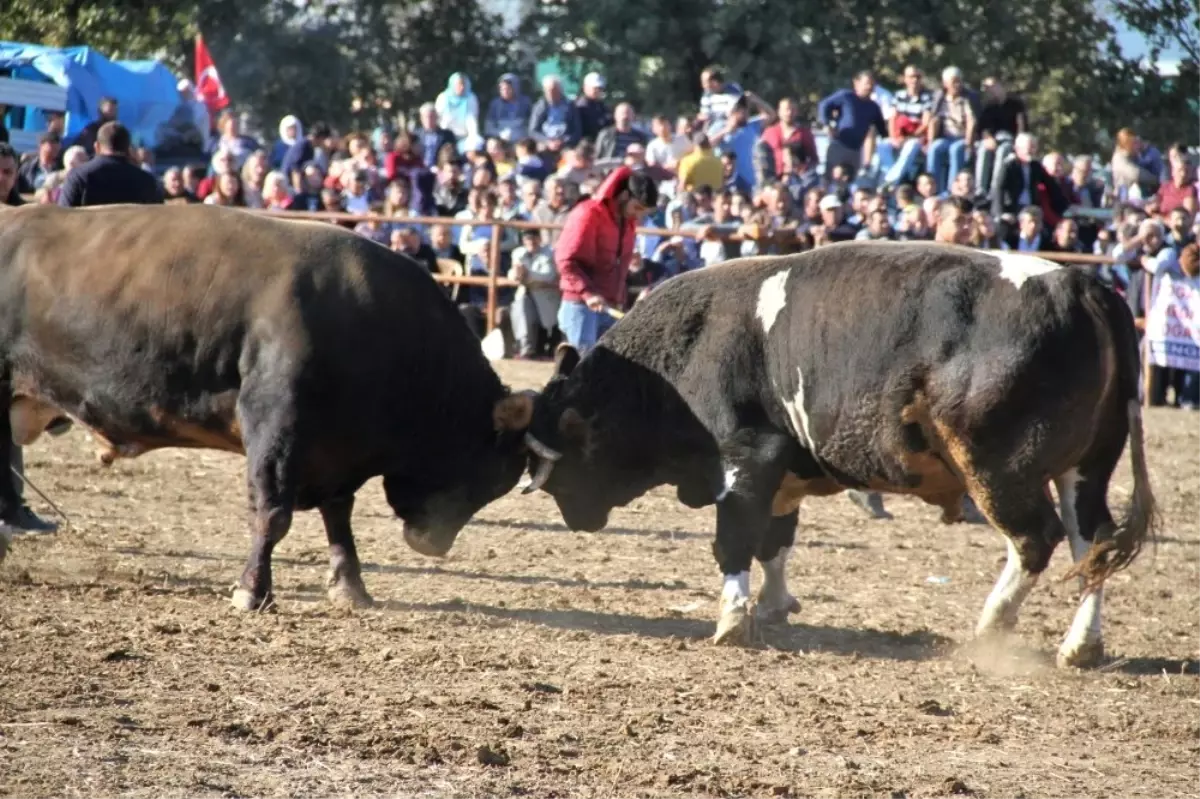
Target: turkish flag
208, 82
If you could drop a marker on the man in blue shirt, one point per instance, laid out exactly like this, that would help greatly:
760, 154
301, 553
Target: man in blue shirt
856, 121
740, 135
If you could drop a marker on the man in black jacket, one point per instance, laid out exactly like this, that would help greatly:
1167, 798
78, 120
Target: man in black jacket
1024, 182
110, 178
23, 519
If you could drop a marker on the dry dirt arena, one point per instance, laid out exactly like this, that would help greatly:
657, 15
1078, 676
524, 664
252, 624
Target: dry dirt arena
534, 661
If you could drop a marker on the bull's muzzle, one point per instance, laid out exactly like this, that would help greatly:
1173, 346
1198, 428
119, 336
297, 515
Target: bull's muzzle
546, 460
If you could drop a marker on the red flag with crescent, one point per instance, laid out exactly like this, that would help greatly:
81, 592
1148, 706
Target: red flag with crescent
208, 82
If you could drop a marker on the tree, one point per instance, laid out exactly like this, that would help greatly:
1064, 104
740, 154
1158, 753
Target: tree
1061, 55
1164, 23
343, 61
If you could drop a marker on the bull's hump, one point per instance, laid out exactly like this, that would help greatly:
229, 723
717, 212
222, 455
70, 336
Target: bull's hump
1016, 268
772, 298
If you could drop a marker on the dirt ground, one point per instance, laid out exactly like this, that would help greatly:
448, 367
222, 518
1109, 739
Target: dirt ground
536, 661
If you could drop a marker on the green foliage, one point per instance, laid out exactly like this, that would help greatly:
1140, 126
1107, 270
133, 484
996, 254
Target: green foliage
1165, 23
344, 61
1061, 55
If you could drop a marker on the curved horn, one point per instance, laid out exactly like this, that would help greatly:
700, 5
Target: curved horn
540, 476
540, 449
547, 457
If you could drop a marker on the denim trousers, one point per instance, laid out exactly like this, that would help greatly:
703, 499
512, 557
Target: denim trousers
581, 326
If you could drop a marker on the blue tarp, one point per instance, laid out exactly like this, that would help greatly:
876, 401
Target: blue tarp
145, 90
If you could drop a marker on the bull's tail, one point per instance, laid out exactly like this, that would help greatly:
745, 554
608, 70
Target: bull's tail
1116, 548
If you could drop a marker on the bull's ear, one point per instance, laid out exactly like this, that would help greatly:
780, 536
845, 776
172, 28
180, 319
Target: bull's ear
514, 412
574, 427
566, 358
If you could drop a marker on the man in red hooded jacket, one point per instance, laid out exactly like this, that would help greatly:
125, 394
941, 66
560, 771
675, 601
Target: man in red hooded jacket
594, 251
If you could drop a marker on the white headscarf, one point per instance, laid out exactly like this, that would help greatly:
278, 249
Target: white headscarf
286, 123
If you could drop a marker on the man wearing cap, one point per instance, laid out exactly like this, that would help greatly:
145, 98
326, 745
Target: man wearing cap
833, 223
594, 115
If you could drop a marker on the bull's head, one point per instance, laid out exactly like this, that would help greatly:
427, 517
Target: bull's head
570, 456
433, 517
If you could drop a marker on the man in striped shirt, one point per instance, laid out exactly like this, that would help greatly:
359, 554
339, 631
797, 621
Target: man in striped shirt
907, 127
716, 104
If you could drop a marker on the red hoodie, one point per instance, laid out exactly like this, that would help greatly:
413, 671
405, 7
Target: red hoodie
594, 249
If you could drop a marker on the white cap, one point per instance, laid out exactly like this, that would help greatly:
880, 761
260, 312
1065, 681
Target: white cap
829, 202
594, 79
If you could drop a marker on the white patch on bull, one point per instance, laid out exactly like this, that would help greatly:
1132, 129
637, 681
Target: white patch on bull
774, 601
1016, 268
735, 593
1085, 629
1004, 602
798, 413
731, 475
772, 297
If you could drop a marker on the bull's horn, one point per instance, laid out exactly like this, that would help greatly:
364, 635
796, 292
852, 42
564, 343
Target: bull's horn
540, 476
540, 449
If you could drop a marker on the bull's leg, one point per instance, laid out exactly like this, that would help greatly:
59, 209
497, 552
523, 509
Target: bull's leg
740, 526
774, 601
269, 432
1084, 508
344, 582
754, 466
1026, 517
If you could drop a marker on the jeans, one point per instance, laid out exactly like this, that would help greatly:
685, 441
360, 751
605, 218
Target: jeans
956, 148
988, 163
904, 164
581, 326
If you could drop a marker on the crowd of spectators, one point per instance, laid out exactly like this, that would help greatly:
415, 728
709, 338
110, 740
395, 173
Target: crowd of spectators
934, 159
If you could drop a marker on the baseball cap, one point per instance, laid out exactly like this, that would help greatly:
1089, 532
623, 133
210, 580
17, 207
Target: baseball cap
594, 79
829, 202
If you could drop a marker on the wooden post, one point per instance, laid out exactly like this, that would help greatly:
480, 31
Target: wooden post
493, 274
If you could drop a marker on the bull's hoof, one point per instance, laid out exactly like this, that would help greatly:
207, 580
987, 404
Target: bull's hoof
348, 593
1087, 655
247, 601
767, 611
736, 626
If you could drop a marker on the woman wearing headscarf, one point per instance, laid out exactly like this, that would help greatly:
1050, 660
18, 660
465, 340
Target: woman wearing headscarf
290, 132
458, 110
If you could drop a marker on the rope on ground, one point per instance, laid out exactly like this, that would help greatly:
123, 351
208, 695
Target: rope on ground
41, 494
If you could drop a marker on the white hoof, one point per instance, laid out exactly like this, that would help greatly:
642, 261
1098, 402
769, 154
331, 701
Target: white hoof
347, 593
736, 625
775, 612
244, 600
1086, 655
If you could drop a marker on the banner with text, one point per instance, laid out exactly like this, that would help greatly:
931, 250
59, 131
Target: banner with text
1173, 323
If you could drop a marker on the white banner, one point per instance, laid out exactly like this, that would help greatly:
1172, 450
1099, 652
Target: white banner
1173, 323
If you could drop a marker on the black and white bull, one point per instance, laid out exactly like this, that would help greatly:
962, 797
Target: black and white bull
916, 368
324, 358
